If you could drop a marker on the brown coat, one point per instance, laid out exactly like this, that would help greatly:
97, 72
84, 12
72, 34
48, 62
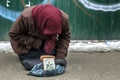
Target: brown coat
24, 35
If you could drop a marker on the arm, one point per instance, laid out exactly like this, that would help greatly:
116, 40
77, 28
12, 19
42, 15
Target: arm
63, 40
19, 33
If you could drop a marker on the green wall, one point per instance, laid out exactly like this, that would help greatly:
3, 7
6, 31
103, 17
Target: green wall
89, 20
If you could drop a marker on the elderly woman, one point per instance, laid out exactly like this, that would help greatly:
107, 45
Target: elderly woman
40, 30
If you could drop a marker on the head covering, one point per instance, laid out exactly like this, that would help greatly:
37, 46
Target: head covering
47, 19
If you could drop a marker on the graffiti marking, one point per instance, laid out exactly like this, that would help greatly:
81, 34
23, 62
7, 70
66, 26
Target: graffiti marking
100, 7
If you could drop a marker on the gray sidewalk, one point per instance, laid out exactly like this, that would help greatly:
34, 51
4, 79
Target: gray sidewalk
81, 66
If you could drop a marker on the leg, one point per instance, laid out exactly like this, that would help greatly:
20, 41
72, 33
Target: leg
32, 58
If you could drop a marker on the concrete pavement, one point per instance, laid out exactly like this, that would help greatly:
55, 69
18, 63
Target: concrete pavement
81, 66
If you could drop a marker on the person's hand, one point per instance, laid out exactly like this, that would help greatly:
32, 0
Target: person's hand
60, 61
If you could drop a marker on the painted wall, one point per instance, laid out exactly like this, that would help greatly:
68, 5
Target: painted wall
89, 19
93, 19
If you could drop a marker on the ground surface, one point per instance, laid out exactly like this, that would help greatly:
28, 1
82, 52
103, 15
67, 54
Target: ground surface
81, 66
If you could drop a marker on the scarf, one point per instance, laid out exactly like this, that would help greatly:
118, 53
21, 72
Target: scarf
47, 19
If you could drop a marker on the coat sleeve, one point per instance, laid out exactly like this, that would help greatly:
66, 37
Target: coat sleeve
63, 40
19, 33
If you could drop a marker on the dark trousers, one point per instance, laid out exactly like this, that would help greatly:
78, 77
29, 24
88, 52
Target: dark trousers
33, 57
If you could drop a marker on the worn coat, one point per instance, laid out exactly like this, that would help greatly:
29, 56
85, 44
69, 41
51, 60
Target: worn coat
24, 35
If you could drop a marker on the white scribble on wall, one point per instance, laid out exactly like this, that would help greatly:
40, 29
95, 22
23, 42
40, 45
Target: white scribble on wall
28, 5
96, 6
7, 3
